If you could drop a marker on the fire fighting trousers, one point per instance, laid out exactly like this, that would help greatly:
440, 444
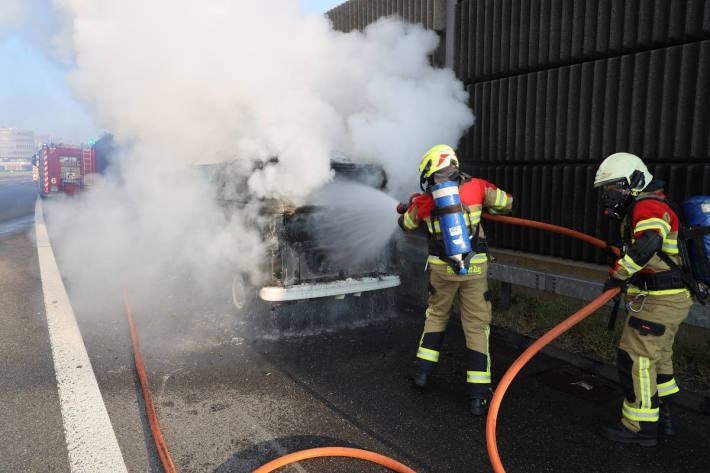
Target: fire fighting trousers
645, 354
473, 298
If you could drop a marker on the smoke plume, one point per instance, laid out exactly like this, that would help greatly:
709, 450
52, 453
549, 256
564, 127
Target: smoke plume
182, 83
12, 14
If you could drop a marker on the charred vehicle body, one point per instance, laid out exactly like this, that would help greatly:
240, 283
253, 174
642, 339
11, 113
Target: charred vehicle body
300, 263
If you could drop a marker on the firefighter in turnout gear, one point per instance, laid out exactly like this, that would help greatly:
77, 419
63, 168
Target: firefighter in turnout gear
465, 278
656, 297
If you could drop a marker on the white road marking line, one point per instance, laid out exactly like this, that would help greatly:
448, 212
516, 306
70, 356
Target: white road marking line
90, 438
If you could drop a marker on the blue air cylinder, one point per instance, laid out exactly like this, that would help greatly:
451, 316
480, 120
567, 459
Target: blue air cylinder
697, 214
452, 224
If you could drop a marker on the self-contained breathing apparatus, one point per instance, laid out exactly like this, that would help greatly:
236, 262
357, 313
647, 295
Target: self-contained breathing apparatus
454, 233
693, 244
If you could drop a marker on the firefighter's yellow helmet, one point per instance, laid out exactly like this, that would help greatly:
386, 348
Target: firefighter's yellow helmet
439, 157
626, 168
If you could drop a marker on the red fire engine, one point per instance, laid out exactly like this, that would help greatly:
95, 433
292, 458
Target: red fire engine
65, 168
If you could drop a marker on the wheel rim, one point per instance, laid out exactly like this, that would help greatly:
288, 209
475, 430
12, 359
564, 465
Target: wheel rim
239, 291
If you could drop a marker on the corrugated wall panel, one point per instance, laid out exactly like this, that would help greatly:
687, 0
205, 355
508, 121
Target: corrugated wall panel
668, 114
596, 119
478, 51
500, 131
529, 123
514, 28
488, 37
566, 27
524, 35
590, 28
555, 28
644, 22
577, 37
539, 116
543, 48
676, 20
496, 51
686, 88
638, 102
700, 142
616, 26
510, 114
603, 27
505, 37
492, 118
465, 33
659, 27
585, 110
471, 40
611, 102
652, 112
533, 33
562, 112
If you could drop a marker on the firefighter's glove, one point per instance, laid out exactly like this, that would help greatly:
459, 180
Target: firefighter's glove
613, 283
402, 208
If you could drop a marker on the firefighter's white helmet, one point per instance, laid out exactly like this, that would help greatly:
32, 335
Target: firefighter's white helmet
625, 167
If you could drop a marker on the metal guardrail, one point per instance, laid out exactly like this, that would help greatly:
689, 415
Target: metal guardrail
570, 286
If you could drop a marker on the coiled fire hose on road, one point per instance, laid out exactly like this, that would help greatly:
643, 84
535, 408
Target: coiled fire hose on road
374, 457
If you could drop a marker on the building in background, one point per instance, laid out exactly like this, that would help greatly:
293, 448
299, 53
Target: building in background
16, 149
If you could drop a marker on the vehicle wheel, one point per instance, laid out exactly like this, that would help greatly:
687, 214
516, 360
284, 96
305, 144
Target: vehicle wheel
242, 291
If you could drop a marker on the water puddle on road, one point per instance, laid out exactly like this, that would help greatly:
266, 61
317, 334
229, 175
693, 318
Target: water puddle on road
579, 383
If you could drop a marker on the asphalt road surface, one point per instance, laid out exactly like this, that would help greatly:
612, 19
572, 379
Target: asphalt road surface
232, 394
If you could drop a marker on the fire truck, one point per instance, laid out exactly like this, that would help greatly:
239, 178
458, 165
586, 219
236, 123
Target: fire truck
65, 169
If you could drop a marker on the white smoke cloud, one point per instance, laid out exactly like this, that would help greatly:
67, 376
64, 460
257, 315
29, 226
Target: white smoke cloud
12, 14
188, 82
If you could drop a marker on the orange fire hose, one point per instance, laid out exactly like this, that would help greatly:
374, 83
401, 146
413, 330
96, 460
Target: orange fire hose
334, 452
165, 458
553, 228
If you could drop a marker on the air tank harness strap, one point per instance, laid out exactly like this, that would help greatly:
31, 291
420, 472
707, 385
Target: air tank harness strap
614, 313
449, 209
660, 281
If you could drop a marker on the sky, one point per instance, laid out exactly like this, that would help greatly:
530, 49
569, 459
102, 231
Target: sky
34, 93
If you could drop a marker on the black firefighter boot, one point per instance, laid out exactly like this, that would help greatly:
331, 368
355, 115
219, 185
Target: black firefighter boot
646, 437
665, 421
479, 405
423, 368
